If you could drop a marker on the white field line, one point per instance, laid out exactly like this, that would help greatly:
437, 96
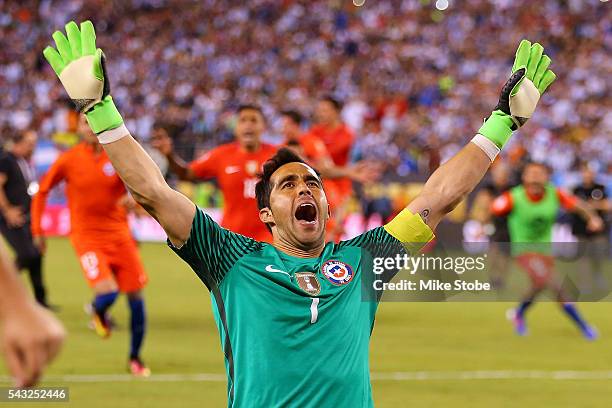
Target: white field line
376, 376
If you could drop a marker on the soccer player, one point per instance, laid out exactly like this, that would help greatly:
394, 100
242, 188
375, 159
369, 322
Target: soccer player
16, 178
294, 328
235, 166
30, 336
99, 234
532, 209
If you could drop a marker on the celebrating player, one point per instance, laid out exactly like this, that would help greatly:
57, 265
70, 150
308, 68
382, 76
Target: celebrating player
99, 234
294, 328
234, 166
531, 209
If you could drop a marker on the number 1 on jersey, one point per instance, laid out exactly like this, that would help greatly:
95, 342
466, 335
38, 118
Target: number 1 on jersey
314, 310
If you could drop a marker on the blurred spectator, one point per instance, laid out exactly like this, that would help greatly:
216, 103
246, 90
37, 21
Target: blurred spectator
593, 245
413, 78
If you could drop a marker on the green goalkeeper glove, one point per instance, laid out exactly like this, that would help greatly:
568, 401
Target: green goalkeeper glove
521, 93
80, 68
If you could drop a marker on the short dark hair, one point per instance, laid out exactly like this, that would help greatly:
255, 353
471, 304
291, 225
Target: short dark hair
537, 164
294, 115
160, 126
263, 188
251, 106
16, 138
335, 102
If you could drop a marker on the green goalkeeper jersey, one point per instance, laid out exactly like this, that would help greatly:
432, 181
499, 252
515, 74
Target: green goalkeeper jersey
295, 331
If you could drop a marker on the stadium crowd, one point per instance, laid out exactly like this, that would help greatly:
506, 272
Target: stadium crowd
412, 78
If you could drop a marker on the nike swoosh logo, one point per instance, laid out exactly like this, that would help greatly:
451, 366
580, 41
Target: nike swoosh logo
271, 268
232, 169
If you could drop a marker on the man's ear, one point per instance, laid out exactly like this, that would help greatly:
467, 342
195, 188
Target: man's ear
265, 215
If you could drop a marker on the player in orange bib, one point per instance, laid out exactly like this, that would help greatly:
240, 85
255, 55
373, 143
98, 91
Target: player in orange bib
235, 167
99, 234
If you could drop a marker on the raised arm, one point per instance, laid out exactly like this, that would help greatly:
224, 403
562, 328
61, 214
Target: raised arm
452, 181
142, 177
80, 67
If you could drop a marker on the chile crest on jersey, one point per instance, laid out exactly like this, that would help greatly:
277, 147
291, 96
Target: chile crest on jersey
337, 272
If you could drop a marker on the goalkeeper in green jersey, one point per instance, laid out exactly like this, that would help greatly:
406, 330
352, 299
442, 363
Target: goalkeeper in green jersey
293, 326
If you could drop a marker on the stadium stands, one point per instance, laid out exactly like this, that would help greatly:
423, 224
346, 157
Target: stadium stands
412, 77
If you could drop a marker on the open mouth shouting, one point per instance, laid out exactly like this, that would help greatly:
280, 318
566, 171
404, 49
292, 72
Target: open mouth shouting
306, 213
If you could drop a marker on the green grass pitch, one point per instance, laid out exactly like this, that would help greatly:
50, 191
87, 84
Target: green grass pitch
430, 338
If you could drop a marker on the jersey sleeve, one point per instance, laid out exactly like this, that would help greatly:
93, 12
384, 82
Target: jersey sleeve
567, 200
54, 175
406, 234
410, 230
205, 167
376, 236
406, 228
502, 205
211, 250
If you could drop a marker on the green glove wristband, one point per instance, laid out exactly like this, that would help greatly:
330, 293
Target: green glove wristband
104, 116
498, 128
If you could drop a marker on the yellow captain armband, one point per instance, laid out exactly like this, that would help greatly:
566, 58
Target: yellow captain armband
410, 230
